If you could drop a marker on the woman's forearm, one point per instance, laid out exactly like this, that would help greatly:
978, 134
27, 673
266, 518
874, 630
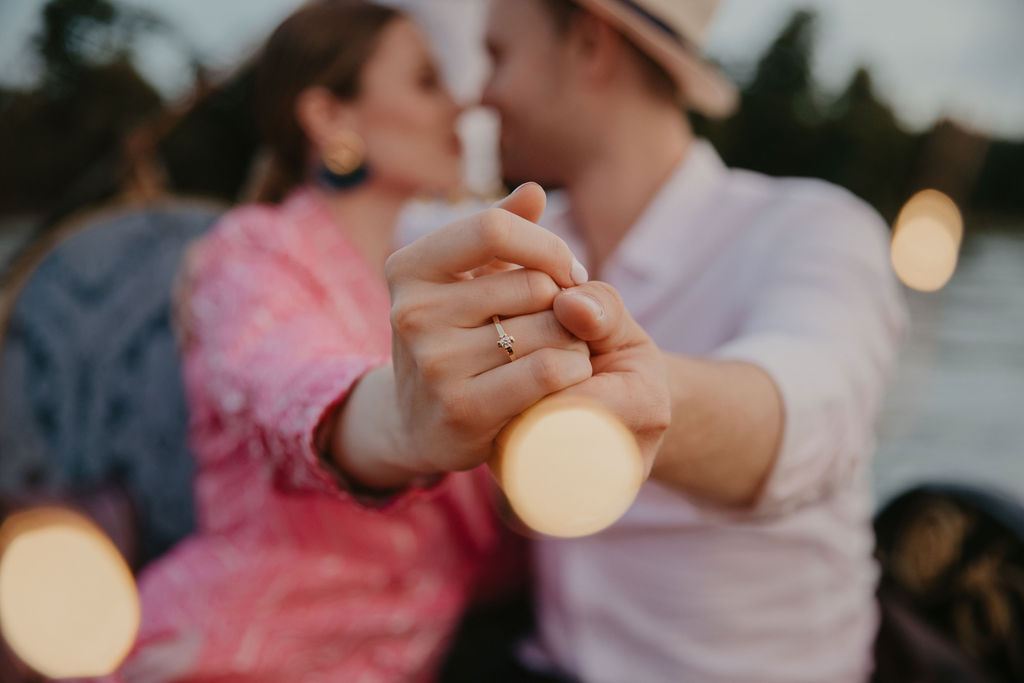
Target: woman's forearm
366, 440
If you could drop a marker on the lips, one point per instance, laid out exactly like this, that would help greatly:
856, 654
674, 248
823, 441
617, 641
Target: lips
455, 144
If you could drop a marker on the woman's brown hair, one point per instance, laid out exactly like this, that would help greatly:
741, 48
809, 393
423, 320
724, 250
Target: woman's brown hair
326, 43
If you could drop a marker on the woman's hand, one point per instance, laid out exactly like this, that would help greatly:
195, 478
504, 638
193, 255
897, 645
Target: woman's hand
455, 387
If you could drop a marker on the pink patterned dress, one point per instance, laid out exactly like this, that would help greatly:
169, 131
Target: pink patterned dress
290, 578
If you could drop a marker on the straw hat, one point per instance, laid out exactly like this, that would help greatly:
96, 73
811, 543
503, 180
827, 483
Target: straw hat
672, 33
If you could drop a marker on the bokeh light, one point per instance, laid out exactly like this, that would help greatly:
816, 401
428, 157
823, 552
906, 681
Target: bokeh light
68, 602
568, 467
926, 241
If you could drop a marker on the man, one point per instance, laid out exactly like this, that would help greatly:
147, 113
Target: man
743, 328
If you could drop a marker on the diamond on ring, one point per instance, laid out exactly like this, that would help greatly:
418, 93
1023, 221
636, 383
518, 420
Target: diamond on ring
505, 340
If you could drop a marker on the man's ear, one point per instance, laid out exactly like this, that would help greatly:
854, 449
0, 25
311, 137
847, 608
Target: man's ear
321, 114
598, 47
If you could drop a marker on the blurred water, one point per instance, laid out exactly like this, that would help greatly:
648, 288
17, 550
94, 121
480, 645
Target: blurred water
955, 411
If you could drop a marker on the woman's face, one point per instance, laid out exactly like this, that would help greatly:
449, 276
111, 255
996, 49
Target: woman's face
406, 116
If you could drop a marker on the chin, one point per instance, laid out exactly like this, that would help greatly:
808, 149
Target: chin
515, 170
514, 176
450, 183
538, 162
443, 186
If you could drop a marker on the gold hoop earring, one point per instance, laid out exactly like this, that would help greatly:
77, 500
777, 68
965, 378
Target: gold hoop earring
345, 154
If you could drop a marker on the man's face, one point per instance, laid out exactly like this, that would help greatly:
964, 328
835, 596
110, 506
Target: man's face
528, 87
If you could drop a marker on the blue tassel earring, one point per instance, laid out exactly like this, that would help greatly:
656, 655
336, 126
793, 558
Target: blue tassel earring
344, 166
340, 181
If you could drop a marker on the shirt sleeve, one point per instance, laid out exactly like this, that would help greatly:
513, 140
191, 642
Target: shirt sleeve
825, 325
275, 354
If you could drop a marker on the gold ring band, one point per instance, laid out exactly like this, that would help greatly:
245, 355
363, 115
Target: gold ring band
505, 340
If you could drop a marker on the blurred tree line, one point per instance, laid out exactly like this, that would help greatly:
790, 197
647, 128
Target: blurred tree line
93, 120
786, 126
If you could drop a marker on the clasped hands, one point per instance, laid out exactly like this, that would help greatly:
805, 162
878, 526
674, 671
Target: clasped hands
456, 388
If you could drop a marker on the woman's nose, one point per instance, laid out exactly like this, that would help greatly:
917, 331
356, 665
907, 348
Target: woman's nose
458, 107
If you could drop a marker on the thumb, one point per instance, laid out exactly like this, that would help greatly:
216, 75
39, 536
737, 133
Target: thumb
527, 201
594, 312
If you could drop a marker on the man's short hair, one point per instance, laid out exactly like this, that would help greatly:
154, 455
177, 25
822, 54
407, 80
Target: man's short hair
564, 12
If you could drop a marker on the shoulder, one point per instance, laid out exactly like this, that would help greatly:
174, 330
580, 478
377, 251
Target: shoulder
796, 197
249, 225
804, 210
267, 230
243, 236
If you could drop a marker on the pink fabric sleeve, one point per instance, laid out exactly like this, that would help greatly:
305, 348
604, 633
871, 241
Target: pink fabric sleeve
273, 350
825, 326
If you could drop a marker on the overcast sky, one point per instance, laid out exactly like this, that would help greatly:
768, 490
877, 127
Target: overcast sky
929, 57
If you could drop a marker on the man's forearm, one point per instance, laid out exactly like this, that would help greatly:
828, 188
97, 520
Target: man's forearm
727, 422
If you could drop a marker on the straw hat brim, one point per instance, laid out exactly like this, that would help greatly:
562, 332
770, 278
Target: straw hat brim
703, 87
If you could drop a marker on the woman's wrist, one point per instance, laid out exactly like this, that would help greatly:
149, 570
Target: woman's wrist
368, 444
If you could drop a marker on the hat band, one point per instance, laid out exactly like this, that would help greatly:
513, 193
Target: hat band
653, 19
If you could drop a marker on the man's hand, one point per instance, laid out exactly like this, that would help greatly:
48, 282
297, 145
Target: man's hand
455, 387
630, 377
710, 429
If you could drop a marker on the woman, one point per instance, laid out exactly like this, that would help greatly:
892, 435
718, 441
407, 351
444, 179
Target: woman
297, 574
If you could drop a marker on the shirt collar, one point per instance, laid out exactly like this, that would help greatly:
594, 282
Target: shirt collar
651, 244
657, 239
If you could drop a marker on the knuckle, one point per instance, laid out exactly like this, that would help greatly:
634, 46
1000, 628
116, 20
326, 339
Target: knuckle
432, 368
455, 409
394, 266
548, 370
660, 418
563, 253
539, 289
494, 227
408, 318
579, 346
554, 333
658, 412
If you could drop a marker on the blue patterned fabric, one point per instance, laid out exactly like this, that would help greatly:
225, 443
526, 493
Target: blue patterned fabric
90, 379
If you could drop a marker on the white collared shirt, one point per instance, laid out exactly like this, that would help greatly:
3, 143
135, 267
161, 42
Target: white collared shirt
794, 276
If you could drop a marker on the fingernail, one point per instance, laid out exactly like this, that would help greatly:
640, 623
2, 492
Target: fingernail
515, 191
579, 273
499, 200
590, 302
